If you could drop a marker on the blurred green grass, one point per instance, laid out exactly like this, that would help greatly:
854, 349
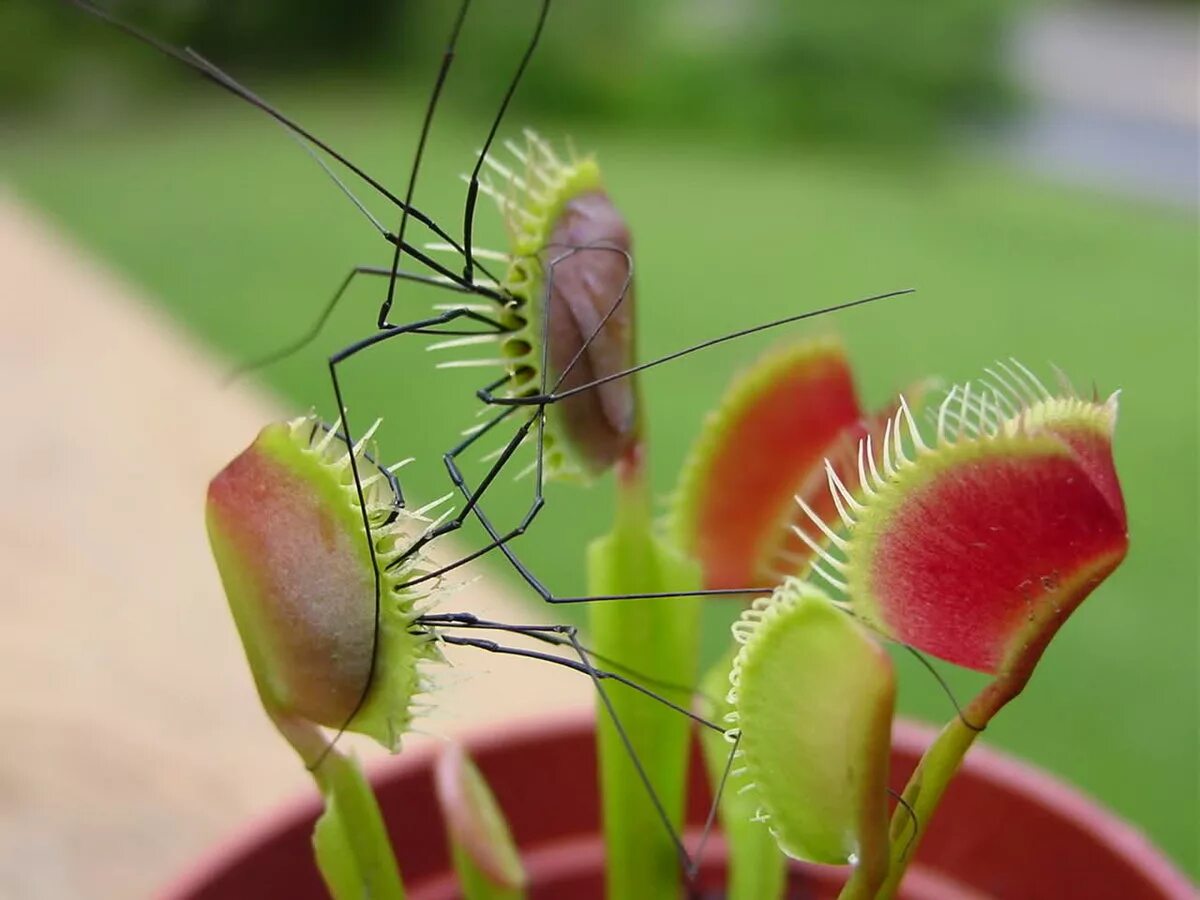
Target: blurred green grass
224, 221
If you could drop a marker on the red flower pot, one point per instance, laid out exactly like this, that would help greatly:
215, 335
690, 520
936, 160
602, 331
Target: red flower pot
1003, 830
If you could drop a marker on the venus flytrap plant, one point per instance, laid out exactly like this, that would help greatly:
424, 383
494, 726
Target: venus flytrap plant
488, 864
764, 444
813, 697
976, 544
972, 540
325, 622
570, 274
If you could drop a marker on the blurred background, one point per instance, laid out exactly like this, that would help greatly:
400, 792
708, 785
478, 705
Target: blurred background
1030, 168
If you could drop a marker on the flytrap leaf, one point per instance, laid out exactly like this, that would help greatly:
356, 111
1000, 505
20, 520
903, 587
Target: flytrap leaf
977, 544
485, 858
814, 696
570, 274
350, 839
286, 530
757, 869
765, 444
772, 430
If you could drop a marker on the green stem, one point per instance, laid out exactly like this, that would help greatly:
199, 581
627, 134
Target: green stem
660, 639
757, 867
350, 840
932, 776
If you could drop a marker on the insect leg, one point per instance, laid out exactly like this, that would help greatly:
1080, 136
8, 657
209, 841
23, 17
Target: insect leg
597, 677
473, 185
555, 397
334, 361
600, 674
937, 676
430, 108
209, 71
323, 317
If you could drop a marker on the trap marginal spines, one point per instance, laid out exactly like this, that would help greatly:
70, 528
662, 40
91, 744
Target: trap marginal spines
568, 274
813, 698
760, 445
975, 538
328, 626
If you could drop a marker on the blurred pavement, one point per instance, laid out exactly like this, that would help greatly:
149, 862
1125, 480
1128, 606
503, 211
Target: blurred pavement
132, 734
1115, 93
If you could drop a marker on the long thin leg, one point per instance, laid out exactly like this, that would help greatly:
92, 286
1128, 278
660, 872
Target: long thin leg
212, 73
711, 818
323, 317
601, 675
937, 676
334, 361
555, 397
472, 497
473, 185
553, 634
430, 108
912, 818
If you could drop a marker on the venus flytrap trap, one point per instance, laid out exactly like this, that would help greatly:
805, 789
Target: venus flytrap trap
568, 319
763, 444
972, 542
813, 697
326, 624
977, 544
913, 539
488, 864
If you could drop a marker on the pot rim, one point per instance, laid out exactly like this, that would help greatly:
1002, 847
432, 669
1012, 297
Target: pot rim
982, 762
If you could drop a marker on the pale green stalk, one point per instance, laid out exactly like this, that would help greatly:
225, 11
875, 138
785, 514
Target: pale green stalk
933, 774
660, 637
350, 840
757, 868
